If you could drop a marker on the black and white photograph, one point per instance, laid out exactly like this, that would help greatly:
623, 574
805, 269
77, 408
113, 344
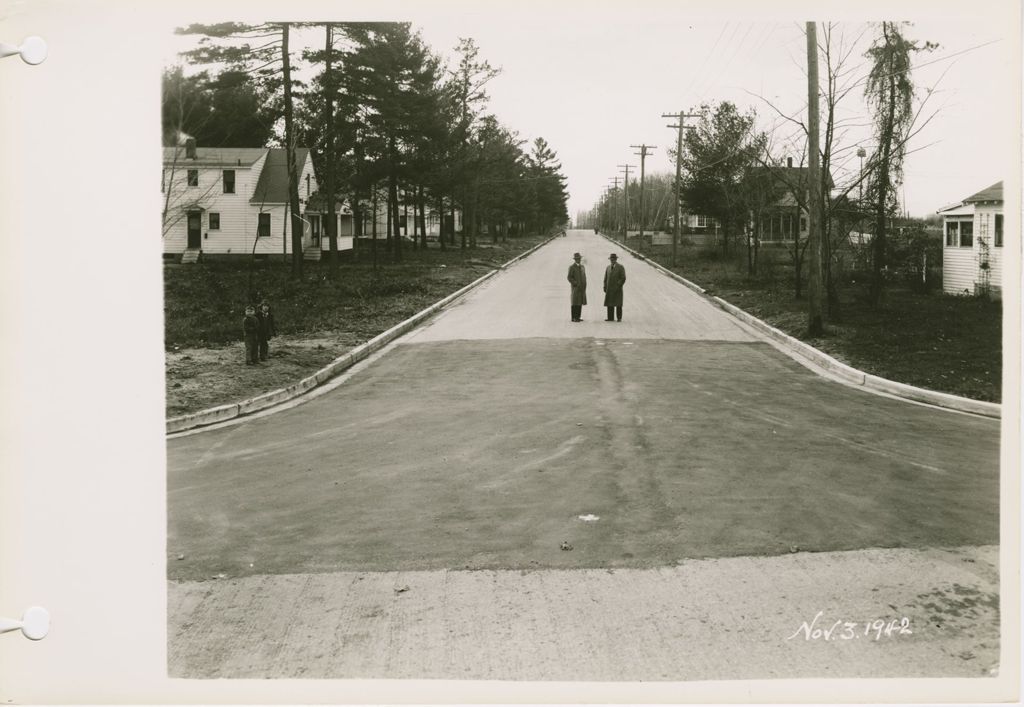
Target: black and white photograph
557, 352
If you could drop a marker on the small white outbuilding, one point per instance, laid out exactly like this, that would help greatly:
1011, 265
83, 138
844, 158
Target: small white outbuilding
972, 253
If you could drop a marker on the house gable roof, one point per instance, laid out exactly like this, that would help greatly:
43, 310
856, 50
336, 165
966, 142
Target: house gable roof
989, 194
215, 156
272, 187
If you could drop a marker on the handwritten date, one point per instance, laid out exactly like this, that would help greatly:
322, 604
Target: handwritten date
818, 630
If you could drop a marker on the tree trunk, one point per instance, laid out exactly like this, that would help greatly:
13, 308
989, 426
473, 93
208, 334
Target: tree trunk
452, 234
757, 250
332, 218
373, 229
440, 222
388, 243
393, 201
423, 218
357, 209
394, 231
878, 243
798, 263
289, 141
462, 235
750, 248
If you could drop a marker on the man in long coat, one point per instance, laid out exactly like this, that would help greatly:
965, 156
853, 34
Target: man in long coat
578, 280
614, 279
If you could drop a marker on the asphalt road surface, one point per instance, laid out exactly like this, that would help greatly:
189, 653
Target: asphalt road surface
506, 494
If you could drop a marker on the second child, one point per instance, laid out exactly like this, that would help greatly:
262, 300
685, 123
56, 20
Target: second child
267, 329
251, 332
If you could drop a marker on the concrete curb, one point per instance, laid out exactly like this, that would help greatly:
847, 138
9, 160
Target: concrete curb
805, 352
266, 400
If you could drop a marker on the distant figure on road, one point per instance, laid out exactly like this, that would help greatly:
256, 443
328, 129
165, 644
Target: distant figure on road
251, 332
614, 279
578, 279
267, 329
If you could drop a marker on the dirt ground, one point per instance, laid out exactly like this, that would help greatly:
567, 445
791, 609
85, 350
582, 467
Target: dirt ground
200, 378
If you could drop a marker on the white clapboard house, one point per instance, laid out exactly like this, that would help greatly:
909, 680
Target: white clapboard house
233, 201
972, 253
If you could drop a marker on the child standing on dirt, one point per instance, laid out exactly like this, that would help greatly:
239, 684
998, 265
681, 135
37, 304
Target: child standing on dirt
266, 330
251, 332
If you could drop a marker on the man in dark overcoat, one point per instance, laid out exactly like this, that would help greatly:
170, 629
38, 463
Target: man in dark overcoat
614, 279
578, 280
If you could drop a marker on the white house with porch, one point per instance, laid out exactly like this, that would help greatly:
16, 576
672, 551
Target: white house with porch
972, 253
233, 201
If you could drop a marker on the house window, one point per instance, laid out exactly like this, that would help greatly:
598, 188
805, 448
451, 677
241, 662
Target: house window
701, 221
307, 186
999, 230
263, 229
803, 224
780, 227
952, 233
214, 221
193, 177
229, 181
967, 234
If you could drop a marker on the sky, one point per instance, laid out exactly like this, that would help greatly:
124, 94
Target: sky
595, 78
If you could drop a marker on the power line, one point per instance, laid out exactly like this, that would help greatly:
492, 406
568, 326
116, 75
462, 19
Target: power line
700, 71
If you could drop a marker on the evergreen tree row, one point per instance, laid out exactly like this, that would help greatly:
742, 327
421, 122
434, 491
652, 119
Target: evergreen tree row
386, 118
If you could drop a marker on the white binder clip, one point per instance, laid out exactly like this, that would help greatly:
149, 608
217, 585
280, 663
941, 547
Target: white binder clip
32, 50
35, 623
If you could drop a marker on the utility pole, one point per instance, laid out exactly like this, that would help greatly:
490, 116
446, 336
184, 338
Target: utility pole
625, 203
615, 216
643, 156
680, 116
815, 309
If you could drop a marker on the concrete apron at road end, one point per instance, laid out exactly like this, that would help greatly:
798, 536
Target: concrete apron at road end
791, 616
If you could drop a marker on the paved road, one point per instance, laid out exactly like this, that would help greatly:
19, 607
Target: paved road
412, 521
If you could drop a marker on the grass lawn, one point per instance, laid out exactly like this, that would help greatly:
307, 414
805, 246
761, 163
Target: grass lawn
941, 342
317, 318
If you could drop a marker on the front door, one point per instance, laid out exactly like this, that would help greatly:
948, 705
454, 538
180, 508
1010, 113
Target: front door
195, 228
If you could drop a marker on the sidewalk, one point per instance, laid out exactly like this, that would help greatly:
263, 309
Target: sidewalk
717, 619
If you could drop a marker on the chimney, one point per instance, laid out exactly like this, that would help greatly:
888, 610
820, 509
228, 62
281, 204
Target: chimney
190, 148
789, 161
